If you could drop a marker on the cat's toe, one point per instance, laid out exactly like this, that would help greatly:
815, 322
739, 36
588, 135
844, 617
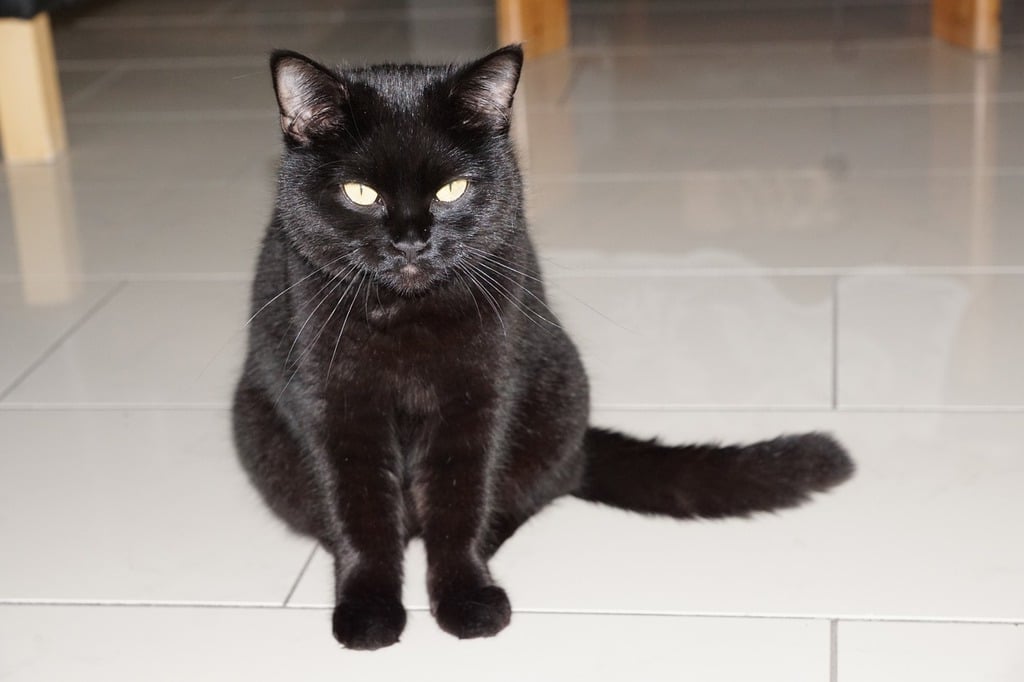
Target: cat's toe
477, 612
368, 623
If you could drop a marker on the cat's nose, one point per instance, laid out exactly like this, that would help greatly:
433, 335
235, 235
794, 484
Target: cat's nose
410, 249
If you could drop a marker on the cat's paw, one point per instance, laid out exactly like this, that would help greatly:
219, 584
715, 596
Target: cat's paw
368, 622
476, 612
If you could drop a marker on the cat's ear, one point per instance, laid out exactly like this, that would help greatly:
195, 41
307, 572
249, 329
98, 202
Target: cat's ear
483, 90
309, 96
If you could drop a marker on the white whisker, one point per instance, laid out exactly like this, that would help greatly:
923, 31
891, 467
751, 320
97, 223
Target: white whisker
290, 287
340, 278
355, 297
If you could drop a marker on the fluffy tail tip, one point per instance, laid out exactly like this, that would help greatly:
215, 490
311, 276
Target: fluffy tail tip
817, 460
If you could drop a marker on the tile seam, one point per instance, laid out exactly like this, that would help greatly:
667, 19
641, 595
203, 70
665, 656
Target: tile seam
52, 348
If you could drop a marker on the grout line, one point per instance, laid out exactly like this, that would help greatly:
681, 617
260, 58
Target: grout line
813, 173
565, 271
562, 100
835, 343
277, 19
161, 63
768, 47
557, 104
184, 116
789, 102
116, 407
597, 408
302, 573
276, 606
825, 44
61, 339
220, 15
932, 409
88, 91
833, 656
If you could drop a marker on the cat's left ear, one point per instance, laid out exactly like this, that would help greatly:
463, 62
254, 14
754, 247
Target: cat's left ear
483, 90
309, 96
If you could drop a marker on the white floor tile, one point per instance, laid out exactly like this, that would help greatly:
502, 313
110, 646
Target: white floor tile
75, 83
354, 40
135, 8
920, 532
49, 643
144, 506
650, 138
931, 340
164, 88
145, 229
364, 8
813, 220
170, 90
169, 151
34, 316
748, 74
937, 652
691, 340
153, 343
660, 25
189, 40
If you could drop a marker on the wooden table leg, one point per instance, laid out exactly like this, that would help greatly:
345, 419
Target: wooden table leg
973, 24
31, 114
542, 26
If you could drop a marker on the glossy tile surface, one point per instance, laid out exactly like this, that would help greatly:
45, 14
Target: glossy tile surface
650, 341
931, 340
659, 137
30, 329
754, 217
812, 221
938, 652
780, 74
137, 506
184, 348
270, 644
144, 228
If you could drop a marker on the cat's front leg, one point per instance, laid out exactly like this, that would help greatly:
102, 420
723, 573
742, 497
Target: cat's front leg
452, 489
369, 543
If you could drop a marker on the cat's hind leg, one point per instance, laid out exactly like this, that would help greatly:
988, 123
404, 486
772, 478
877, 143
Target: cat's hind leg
273, 459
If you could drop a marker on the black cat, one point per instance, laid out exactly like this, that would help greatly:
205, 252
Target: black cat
405, 376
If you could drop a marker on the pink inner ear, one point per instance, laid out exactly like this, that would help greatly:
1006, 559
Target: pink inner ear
487, 88
308, 99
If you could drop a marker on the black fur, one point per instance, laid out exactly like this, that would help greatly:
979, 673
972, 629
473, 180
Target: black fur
405, 376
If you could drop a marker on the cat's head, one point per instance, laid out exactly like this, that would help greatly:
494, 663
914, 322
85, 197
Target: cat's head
400, 172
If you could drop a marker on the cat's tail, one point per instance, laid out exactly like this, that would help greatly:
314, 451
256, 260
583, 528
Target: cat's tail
709, 481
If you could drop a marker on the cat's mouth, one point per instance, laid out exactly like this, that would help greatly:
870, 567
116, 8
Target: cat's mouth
410, 278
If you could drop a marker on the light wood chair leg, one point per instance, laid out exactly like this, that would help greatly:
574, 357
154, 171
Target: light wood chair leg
973, 24
31, 114
45, 231
542, 26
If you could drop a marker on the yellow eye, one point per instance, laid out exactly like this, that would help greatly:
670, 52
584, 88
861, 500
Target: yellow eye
452, 191
359, 193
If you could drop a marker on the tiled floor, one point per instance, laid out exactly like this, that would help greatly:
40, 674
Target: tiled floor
756, 217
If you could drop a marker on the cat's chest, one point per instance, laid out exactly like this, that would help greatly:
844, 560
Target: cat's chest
417, 365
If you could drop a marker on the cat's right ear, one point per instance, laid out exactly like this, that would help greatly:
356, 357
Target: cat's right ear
309, 96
